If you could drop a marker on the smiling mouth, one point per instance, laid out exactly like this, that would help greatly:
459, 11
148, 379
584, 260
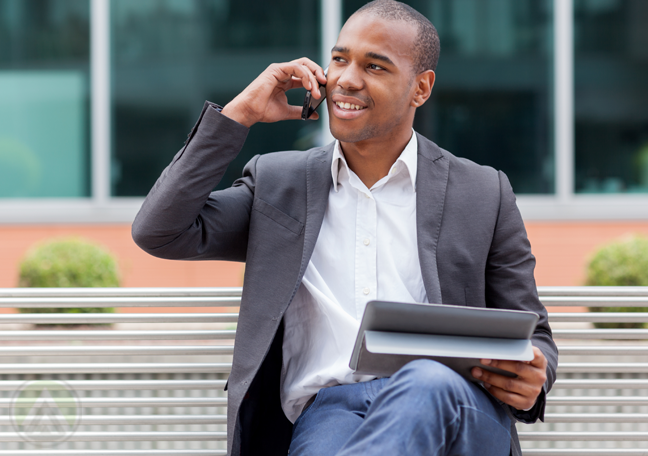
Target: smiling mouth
349, 106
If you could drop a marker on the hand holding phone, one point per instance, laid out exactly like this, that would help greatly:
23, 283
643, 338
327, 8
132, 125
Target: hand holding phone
264, 100
310, 103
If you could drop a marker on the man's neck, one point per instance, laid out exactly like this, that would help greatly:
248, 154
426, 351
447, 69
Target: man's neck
371, 160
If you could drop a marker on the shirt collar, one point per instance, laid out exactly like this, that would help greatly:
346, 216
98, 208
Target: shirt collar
408, 157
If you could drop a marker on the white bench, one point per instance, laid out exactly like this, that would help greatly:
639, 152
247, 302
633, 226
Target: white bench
152, 385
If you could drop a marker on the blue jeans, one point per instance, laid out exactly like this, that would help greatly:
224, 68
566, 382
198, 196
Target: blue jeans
423, 409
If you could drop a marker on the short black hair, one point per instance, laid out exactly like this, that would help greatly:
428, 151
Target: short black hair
427, 47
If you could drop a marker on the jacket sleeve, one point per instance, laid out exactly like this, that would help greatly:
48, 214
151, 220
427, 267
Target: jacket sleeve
181, 218
510, 284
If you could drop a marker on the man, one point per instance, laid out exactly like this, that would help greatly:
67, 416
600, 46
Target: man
382, 213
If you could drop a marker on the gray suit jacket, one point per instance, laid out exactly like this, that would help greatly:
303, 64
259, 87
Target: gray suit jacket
472, 247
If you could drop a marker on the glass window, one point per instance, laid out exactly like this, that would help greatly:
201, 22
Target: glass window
44, 120
492, 100
611, 96
168, 56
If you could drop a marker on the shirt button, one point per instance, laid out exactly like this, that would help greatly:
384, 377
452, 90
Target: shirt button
367, 196
366, 291
366, 242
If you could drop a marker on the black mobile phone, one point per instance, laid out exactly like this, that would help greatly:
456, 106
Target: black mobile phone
310, 103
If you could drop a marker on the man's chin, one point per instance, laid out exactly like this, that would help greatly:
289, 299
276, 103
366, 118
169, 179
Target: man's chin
347, 135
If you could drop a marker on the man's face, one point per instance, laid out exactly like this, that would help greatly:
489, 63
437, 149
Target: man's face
370, 79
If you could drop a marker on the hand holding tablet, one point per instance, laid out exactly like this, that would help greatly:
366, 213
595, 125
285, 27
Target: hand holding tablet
392, 334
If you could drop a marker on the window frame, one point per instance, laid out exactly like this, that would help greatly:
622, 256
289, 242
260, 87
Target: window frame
565, 204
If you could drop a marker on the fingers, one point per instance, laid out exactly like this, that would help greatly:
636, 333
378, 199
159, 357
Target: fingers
304, 70
517, 392
520, 392
521, 386
264, 100
321, 77
315, 75
317, 70
521, 369
513, 399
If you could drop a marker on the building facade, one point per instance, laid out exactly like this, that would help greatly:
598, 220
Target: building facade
96, 96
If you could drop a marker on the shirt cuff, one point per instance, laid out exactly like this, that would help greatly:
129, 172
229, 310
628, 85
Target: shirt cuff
217, 107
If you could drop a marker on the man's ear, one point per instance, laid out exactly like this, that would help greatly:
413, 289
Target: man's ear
423, 83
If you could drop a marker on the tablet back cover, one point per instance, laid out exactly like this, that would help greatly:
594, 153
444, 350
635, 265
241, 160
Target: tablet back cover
392, 334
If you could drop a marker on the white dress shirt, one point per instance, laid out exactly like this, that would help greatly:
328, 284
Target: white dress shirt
366, 249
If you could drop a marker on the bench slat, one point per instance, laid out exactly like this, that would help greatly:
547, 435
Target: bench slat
594, 301
617, 334
596, 418
129, 436
597, 400
554, 436
610, 350
116, 335
599, 317
125, 301
103, 318
600, 383
128, 402
574, 368
115, 368
111, 350
92, 420
578, 452
50, 452
95, 385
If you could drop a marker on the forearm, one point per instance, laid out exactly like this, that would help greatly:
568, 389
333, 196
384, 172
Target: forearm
510, 284
173, 207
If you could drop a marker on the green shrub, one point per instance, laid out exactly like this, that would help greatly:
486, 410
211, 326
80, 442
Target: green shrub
65, 263
620, 263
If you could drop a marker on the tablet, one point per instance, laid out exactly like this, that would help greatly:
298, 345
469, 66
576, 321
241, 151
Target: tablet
394, 333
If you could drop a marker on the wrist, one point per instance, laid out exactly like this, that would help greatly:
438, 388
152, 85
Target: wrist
237, 114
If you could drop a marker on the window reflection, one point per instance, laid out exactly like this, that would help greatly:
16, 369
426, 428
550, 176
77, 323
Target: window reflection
611, 95
171, 55
44, 67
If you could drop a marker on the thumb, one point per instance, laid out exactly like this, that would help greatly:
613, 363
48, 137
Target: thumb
539, 359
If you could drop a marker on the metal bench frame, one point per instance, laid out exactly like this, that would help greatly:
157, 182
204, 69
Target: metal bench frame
590, 391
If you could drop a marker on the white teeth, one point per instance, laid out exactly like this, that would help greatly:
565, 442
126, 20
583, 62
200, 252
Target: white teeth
348, 106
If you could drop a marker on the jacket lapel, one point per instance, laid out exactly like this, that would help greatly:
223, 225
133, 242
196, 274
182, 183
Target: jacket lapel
318, 185
431, 184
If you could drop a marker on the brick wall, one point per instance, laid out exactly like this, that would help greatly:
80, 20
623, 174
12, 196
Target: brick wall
561, 248
137, 267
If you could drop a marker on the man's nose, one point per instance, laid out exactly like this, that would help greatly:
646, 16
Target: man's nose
351, 78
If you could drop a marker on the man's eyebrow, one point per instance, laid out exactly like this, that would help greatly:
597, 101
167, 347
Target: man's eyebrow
371, 55
342, 50
381, 57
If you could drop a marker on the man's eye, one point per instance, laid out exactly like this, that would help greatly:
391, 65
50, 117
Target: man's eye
338, 59
375, 67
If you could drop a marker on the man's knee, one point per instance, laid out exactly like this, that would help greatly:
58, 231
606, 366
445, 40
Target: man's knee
426, 376
425, 372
